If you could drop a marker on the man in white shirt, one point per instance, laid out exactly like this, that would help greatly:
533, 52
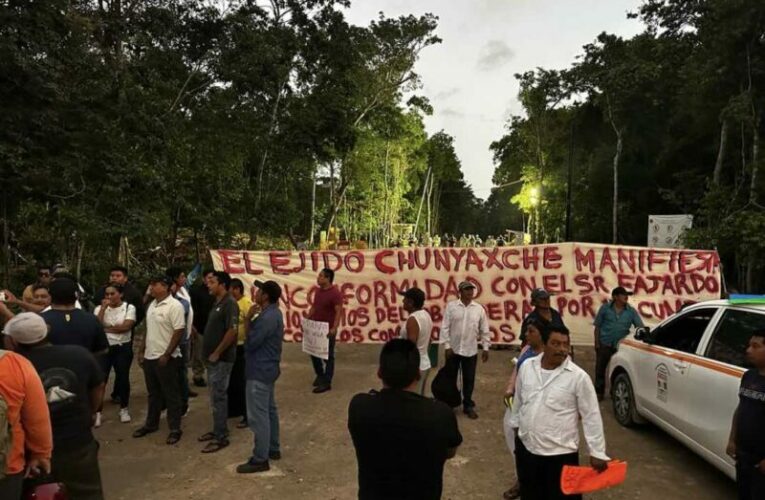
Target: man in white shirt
464, 323
159, 356
551, 394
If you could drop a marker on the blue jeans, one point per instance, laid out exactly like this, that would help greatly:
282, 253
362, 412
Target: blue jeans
325, 374
218, 375
263, 419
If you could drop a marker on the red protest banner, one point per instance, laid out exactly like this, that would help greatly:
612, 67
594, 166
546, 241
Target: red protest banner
580, 275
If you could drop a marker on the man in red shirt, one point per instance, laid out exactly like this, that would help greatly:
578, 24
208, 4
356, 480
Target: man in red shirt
328, 308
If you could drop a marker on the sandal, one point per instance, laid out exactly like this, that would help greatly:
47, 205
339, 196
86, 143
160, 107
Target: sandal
215, 446
206, 437
174, 437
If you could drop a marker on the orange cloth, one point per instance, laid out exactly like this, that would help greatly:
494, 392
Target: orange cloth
579, 480
28, 413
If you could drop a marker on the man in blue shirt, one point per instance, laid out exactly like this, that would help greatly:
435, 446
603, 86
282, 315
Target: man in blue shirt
612, 324
263, 352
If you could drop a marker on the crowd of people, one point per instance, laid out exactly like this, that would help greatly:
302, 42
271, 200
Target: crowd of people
58, 357
450, 240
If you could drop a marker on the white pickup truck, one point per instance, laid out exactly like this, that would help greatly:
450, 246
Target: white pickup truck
684, 375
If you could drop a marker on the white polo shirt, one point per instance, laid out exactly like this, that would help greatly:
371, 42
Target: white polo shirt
162, 320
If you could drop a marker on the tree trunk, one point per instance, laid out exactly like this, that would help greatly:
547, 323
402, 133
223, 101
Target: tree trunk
617, 157
755, 166
720, 153
313, 206
6, 244
422, 202
271, 129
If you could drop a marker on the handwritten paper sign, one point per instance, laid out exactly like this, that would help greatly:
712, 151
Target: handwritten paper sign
315, 340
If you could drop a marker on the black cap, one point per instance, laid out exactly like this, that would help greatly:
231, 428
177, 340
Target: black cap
272, 288
620, 291
415, 295
162, 278
540, 294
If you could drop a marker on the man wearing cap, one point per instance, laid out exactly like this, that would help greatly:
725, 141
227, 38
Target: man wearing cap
159, 355
74, 385
263, 352
612, 324
542, 313
417, 328
464, 323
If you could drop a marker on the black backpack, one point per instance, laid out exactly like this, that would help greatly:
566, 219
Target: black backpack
444, 386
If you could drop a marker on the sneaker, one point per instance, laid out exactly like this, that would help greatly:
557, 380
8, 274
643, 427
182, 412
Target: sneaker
98, 420
124, 415
251, 466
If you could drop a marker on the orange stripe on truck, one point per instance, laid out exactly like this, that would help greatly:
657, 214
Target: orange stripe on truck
694, 360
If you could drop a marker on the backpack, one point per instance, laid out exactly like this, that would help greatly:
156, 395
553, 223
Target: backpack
6, 437
444, 386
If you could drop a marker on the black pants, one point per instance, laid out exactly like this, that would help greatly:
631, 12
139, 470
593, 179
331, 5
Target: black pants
237, 404
163, 386
750, 481
11, 485
183, 375
539, 476
78, 470
603, 356
468, 367
325, 370
120, 357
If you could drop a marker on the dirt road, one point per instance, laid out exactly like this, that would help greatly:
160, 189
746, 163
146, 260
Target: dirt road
318, 457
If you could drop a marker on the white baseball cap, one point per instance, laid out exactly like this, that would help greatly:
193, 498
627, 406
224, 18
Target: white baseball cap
27, 328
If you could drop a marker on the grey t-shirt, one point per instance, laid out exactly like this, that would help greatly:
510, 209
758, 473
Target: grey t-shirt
223, 317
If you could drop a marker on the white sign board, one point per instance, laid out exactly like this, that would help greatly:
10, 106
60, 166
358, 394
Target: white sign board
315, 340
666, 231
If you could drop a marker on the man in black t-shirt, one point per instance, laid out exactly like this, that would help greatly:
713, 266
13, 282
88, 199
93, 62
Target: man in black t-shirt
747, 439
219, 351
74, 387
71, 326
402, 439
201, 302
